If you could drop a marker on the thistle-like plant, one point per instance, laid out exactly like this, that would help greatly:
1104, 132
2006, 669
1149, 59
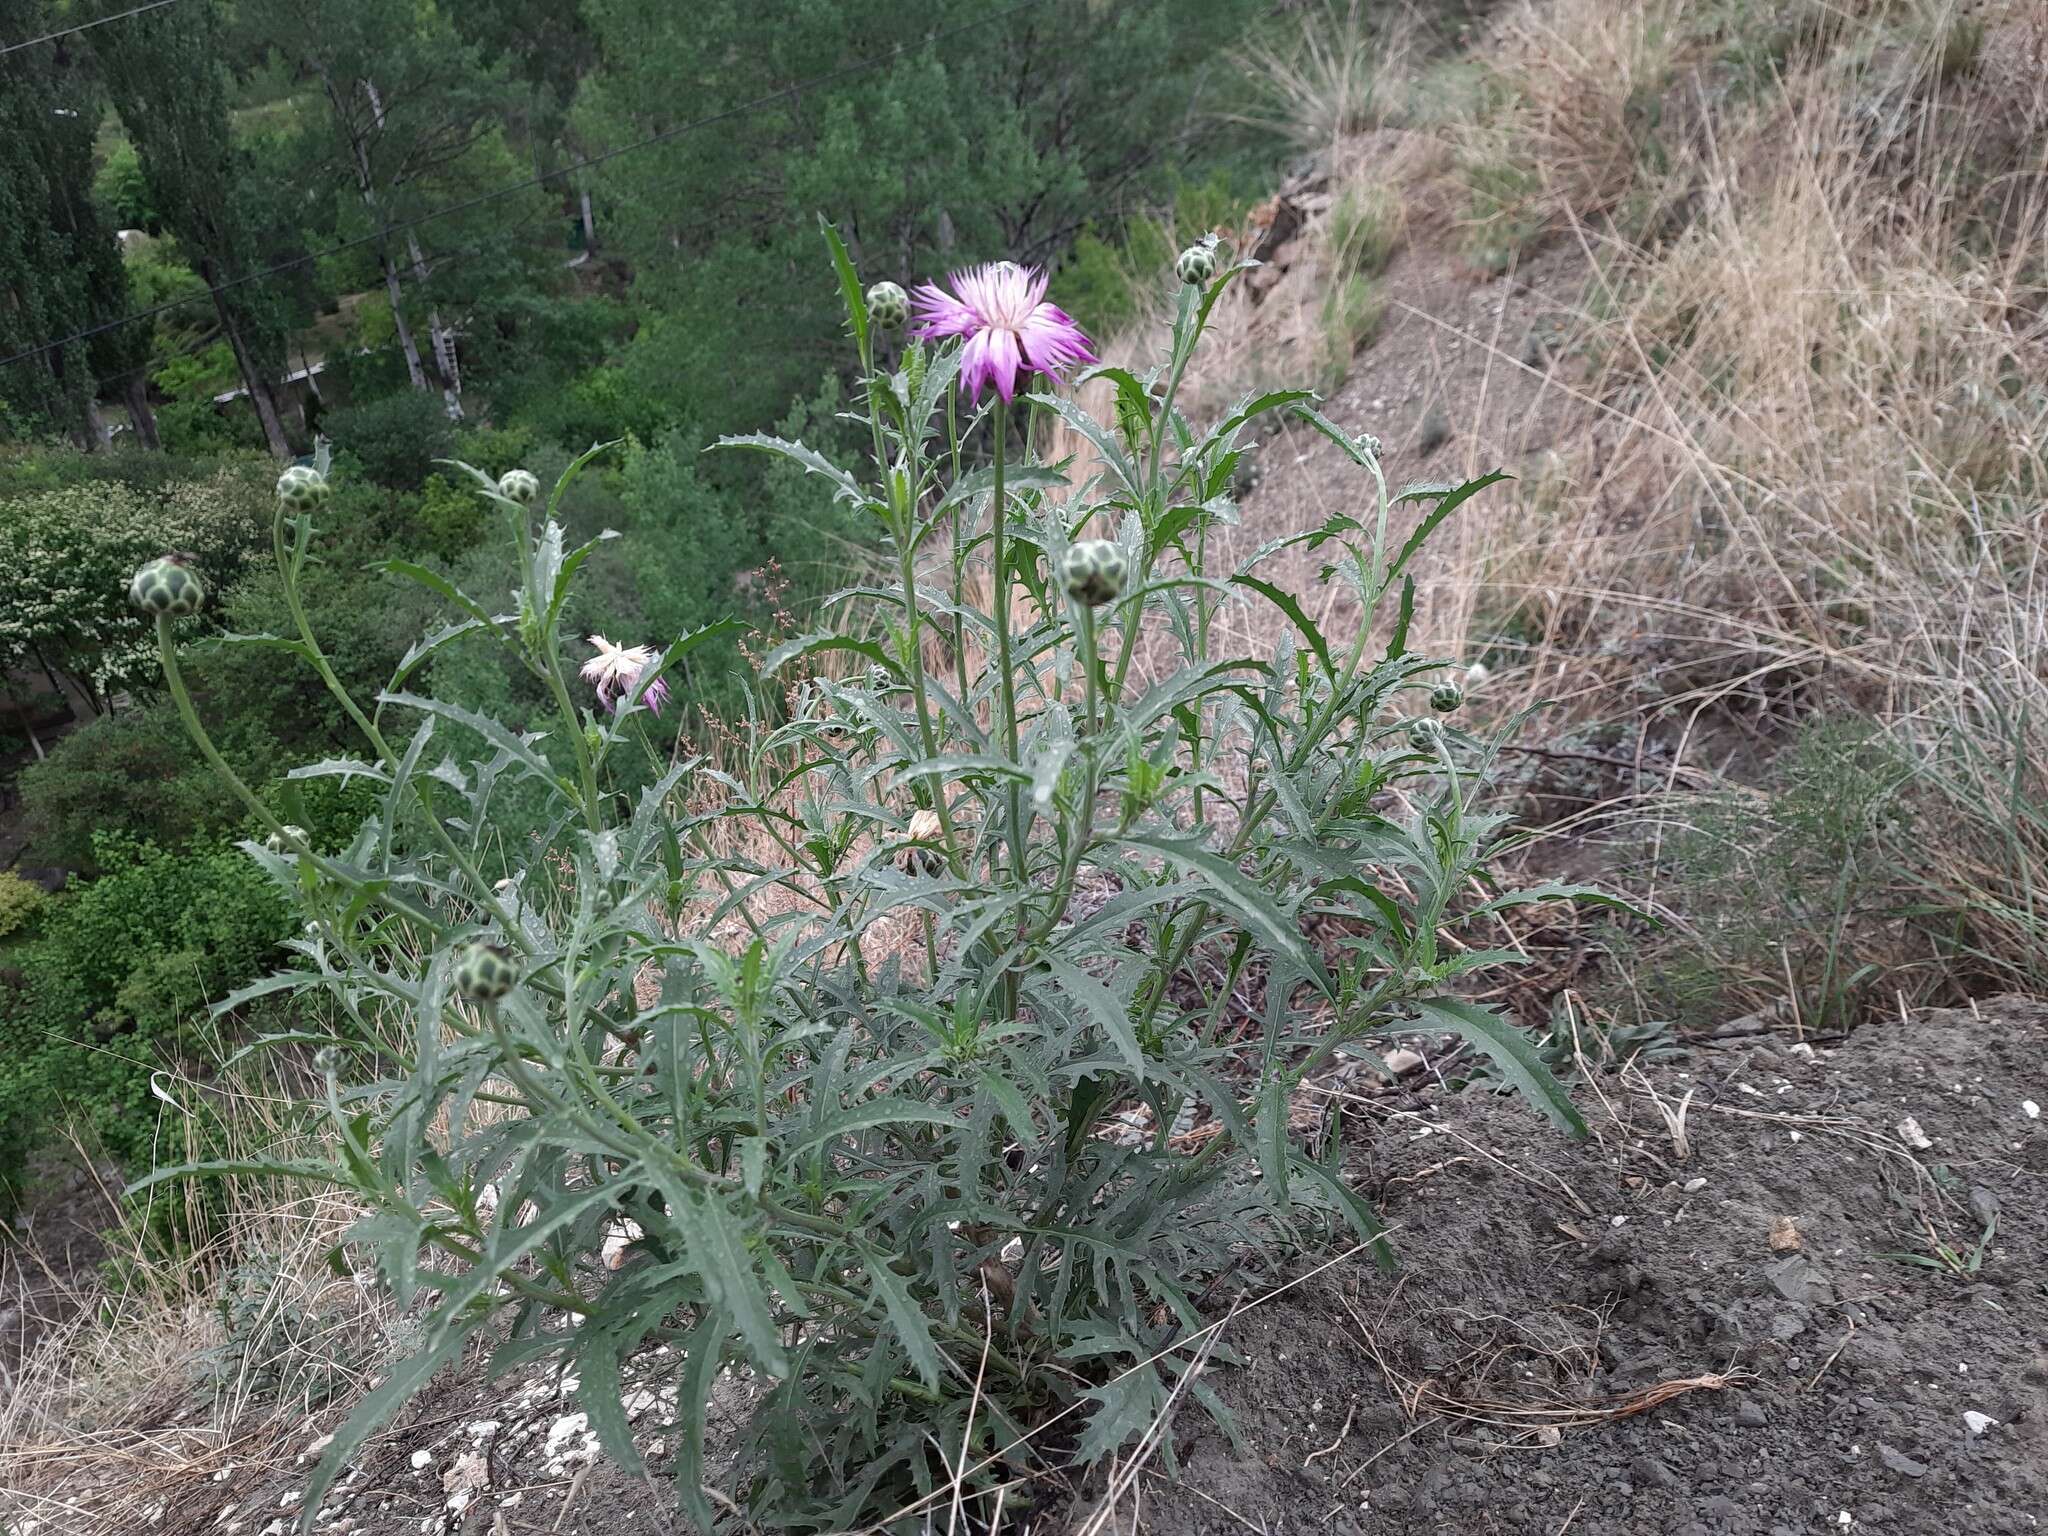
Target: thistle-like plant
935, 1103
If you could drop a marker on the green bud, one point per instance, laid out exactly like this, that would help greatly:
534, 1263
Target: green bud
301, 488
1093, 571
1445, 697
485, 972
327, 1060
1425, 734
1197, 264
888, 306
520, 485
167, 585
280, 842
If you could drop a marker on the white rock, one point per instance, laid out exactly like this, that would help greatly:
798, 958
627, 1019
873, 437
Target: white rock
1694, 1186
1911, 1134
1401, 1061
1977, 1422
422, 1459
2030, 1109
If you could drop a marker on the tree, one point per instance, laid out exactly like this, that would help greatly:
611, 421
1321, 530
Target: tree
164, 70
60, 269
1001, 135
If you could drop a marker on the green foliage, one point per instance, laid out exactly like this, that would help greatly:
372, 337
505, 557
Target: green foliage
21, 903
120, 187
395, 440
852, 1117
69, 552
272, 1344
1796, 885
116, 984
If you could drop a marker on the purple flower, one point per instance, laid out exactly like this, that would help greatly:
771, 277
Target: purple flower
616, 668
1010, 329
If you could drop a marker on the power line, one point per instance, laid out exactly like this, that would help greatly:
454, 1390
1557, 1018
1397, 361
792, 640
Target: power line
893, 53
84, 26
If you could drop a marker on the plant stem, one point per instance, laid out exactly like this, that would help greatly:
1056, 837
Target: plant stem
1006, 682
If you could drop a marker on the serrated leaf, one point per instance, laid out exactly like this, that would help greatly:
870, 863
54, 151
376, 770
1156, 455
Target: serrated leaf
1130, 1403
821, 642
600, 1391
1286, 603
888, 1110
715, 1246
408, 1374
913, 1331
844, 486
701, 1357
1450, 500
1508, 1048
1229, 886
1102, 1006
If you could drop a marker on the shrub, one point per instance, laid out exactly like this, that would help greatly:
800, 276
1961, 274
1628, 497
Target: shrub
395, 440
21, 903
69, 552
879, 1038
117, 985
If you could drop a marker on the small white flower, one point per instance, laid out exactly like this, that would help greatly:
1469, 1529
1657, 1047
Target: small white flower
616, 668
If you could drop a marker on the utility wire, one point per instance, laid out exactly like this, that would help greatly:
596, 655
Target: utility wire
891, 54
84, 26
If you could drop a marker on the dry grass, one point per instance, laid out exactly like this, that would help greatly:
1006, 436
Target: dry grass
135, 1388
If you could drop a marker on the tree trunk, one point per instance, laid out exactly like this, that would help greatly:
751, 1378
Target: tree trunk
446, 363
413, 368
252, 377
135, 395
589, 222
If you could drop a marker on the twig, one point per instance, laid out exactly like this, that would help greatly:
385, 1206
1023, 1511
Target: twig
1341, 1434
988, 1328
1831, 1359
1568, 1519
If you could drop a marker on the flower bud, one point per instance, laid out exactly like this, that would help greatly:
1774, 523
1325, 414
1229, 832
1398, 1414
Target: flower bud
1093, 571
1197, 264
520, 485
888, 306
1445, 697
280, 842
167, 585
1425, 735
327, 1060
301, 488
485, 972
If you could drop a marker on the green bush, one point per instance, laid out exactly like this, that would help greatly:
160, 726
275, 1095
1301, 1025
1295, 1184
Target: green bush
21, 903
395, 440
117, 985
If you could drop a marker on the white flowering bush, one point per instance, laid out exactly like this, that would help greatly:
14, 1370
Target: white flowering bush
937, 1051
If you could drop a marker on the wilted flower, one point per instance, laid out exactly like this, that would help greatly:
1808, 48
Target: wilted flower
282, 840
888, 306
167, 585
520, 485
1093, 571
924, 829
302, 488
616, 668
1010, 329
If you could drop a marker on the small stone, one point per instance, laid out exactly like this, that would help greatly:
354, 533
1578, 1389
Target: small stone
1977, 1422
1749, 1413
2030, 1109
1911, 1134
1784, 1235
1401, 1061
1900, 1462
422, 1459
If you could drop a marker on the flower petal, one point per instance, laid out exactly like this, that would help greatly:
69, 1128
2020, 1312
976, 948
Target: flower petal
940, 314
1005, 361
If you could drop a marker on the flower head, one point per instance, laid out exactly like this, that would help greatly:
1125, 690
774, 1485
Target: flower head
484, 973
1010, 329
301, 488
616, 668
888, 306
1093, 571
1197, 264
167, 585
520, 485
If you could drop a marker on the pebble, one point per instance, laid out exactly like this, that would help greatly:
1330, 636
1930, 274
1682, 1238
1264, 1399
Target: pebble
1900, 1462
1977, 1422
